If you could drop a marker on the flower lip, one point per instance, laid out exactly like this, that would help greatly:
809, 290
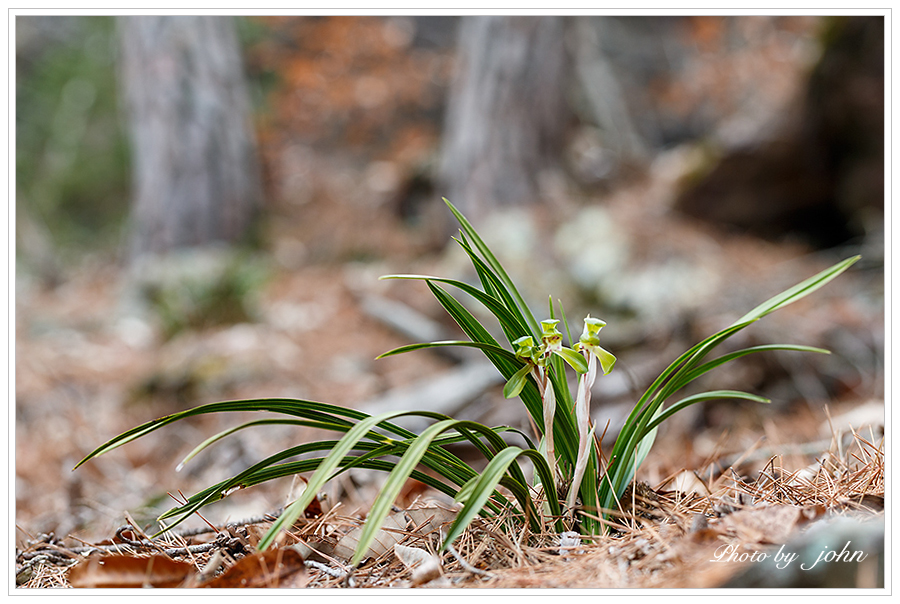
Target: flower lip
592, 327
549, 327
524, 341
593, 323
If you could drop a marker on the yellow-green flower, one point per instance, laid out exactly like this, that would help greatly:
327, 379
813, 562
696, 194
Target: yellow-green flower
551, 338
525, 349
590, 341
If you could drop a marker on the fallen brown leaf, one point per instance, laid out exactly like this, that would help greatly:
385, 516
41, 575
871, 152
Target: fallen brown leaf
124, 572
271, 568
391, 533
770, 524
431, 518
424, 566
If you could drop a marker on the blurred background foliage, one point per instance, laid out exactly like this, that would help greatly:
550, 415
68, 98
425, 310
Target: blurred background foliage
378, 89
72, 153
74, 178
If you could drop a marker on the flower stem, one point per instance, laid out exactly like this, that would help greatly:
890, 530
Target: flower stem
549, 400
585, 431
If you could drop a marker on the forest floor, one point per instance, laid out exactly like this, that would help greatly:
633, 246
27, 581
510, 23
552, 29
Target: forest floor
91, 362
87, 370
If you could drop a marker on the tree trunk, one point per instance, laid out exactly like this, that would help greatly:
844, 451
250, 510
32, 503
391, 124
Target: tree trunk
507, 111
195, 171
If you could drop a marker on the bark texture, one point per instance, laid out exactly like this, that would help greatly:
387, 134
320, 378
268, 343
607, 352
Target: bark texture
507, 110
196, 177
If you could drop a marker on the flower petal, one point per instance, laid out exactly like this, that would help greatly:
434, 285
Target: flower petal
517, 382
575, 360
606, 358
524, 347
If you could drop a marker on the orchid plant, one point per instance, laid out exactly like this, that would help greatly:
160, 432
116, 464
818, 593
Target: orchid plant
574, 485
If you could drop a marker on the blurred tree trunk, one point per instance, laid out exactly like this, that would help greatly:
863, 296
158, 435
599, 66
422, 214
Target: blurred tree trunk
195, 171
507, 111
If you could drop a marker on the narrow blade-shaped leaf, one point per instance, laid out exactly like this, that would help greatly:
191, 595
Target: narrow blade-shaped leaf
490, 478
485, 346
469, 230
702, 397
311, 410
511, 324
413, 456
802, 289
709, 365
262, 422
493, 283
322, 475
382, 506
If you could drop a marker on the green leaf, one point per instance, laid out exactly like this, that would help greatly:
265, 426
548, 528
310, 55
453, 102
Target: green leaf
489, 480
418, 449
517, 382
437, 460
312, 410
242, 479
498, 268
493, 283
640, 453
802, 289
511, 325
701, 397
264, 474
562, 312
695, 373
322, 475
261, 422
479, 493
636, 434
465, 492
487, 347
382, 506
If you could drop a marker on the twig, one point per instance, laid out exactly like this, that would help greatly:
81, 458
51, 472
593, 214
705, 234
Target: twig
332, 572
145, 543
191, 549
204, 530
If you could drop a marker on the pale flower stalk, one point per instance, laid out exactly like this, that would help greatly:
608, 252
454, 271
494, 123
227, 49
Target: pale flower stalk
549, 400
588, 346
585, 431
552, 343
